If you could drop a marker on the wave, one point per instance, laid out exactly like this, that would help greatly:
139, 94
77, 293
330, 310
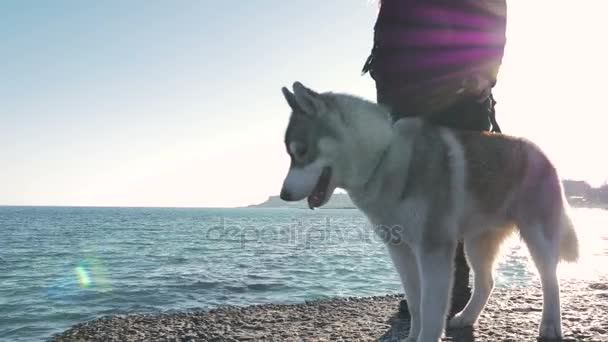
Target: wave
200, 285
262, 287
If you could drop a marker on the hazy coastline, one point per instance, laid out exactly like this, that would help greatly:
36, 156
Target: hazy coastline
579, 193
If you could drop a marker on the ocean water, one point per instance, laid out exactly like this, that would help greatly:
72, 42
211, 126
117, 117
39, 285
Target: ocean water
61, 266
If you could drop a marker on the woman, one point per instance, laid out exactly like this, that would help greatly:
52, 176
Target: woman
438, 59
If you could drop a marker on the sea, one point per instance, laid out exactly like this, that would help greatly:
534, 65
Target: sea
63, 265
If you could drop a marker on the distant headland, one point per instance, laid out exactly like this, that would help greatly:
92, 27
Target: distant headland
579, 194
337, 201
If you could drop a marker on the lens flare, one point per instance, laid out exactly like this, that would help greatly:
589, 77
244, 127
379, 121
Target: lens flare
90, 274
83, 276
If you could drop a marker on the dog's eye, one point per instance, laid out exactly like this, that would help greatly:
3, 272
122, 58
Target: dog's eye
298, 150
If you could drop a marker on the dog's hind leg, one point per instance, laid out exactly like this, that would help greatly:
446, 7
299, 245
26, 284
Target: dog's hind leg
545, 253
481, 253
405, 263
435, 264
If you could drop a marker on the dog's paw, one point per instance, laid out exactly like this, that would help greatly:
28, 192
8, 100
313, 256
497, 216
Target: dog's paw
550, 330
460, 321
413, 339
412, 336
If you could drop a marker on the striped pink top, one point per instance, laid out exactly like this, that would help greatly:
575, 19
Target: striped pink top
429, 53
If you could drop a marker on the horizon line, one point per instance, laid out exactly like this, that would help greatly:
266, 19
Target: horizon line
112, 206
201, 207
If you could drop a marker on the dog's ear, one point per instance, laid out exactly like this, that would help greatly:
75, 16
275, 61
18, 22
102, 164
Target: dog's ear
308, 101
291, 100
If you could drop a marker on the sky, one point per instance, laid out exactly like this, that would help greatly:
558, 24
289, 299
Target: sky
178, 103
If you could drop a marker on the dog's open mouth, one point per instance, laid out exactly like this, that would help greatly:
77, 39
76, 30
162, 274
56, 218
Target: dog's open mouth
320, 194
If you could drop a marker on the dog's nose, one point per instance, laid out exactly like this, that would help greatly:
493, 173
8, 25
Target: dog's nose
285, 195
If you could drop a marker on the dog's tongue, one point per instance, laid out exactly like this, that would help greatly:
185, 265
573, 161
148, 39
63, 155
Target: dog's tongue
316, 198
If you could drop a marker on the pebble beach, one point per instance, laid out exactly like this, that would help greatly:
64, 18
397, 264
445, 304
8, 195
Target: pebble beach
512, 314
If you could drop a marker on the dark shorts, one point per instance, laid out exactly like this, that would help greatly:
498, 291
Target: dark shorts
468, 114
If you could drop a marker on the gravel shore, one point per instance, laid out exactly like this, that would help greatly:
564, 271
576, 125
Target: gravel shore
513, 314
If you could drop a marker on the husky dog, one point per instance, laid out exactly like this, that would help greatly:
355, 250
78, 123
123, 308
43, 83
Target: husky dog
432, 186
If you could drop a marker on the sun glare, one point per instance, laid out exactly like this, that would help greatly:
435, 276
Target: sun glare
551, 79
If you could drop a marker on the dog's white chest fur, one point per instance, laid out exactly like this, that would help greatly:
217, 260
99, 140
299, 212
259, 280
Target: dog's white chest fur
403, 222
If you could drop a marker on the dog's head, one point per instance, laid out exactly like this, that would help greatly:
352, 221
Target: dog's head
311, 142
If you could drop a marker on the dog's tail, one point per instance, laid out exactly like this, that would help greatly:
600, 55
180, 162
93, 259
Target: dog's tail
568, 244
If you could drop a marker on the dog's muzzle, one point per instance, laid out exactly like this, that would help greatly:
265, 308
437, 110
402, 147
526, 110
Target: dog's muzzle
300, 182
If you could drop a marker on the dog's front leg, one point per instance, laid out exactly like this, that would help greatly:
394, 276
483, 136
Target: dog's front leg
435, 265
404, 260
